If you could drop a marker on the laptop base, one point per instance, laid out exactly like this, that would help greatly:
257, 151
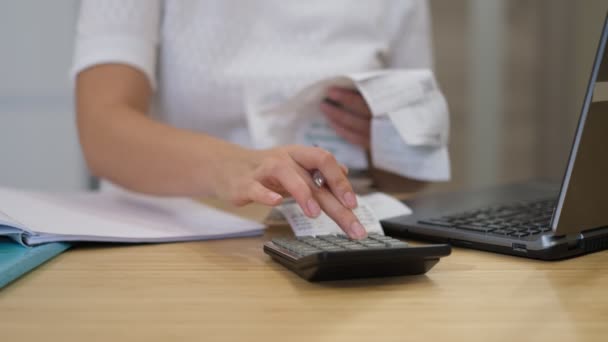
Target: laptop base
546, 246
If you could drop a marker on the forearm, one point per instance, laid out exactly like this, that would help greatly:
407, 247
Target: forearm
141, 154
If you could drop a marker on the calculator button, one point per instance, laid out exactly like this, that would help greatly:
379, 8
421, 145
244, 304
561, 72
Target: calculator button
383, 238
396, 243
280, 242
356, 247
332, 248
375, 245
306, 238
330, 238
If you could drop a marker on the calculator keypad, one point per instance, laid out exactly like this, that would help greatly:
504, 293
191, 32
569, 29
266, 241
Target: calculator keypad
307, 245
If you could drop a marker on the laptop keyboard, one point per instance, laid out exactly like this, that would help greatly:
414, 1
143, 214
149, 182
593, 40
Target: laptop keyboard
520, 220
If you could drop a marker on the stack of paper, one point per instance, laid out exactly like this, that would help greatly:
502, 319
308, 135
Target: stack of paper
34, 218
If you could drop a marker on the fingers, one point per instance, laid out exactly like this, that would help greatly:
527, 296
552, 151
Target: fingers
344, 217
284, 171
256, 192
344, 168
310, 158
350, 116
351, 100
356, 125
260, 194
353, 138
346, 119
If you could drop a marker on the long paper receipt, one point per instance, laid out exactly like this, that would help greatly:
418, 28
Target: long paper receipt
409, 129
371, 209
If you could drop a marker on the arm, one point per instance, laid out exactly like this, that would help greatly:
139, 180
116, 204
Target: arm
118, 137
121, 143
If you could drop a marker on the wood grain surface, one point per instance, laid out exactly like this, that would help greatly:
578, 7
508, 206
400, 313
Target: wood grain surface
229, 290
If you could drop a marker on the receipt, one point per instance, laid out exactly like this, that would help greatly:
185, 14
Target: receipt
410, 124
385, 206
303, 225
372, 208
318, 132
274, 120
424, 162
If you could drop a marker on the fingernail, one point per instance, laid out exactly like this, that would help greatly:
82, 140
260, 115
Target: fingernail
357, 231
313, 207
350, 199
274, 196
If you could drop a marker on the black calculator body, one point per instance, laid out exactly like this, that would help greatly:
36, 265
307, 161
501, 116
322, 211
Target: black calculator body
336, 257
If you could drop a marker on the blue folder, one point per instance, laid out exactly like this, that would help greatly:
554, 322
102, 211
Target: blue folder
16, 259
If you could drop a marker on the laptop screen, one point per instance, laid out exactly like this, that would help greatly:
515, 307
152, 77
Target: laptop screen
596, 92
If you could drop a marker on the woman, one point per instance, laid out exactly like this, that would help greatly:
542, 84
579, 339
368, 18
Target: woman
160, 87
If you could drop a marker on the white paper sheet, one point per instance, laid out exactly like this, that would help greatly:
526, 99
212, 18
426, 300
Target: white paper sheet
371, 209
118, 218
408, 100
385, 206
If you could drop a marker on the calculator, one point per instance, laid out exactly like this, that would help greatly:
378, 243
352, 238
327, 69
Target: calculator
336, 257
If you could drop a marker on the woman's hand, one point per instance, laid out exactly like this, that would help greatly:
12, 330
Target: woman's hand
266, 176
349, 115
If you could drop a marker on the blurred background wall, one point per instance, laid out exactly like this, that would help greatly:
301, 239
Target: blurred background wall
514, 73
38, 141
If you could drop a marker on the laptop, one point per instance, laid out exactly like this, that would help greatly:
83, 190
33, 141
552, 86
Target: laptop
533, 219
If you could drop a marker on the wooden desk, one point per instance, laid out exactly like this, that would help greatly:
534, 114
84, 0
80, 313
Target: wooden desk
231, 291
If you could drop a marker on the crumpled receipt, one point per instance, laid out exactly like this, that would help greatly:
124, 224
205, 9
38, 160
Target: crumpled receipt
410, 123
